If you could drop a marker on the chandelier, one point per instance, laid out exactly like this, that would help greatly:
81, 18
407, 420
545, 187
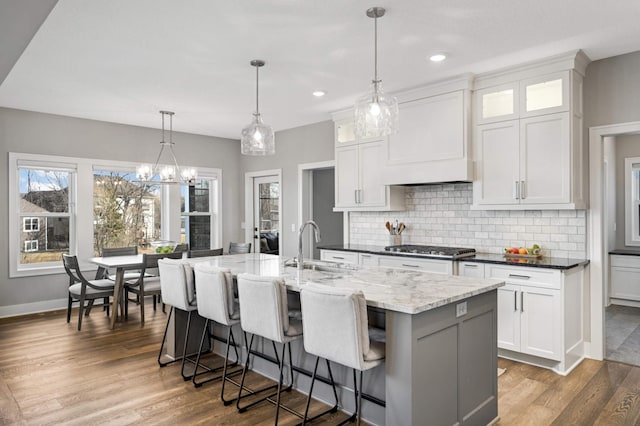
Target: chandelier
166, 169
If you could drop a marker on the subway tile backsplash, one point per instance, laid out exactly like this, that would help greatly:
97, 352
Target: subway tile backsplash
441, 215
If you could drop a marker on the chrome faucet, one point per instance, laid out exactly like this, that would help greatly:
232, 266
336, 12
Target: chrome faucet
316, 232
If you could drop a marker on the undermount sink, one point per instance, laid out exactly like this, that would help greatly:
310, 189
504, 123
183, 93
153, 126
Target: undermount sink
322, 266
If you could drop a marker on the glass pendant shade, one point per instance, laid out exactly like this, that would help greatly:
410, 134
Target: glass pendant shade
166, 169
376, 114
258, 138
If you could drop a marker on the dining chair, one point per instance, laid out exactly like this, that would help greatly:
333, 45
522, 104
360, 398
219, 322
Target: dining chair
146, 284
103, 272
205, 253
181, 248
81, 289
335, 323
239, 248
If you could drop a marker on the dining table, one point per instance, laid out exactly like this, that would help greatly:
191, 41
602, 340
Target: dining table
120, 264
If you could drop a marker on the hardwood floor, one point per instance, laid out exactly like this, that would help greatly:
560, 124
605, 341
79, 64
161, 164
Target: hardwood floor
52, 374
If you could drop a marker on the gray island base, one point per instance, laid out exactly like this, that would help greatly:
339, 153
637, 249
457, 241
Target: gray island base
441, 342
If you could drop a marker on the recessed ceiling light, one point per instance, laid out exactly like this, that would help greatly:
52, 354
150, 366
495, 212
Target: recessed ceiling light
319, 93
438, 57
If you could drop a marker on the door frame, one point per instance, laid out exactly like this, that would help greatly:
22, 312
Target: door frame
249, 205
305, 197
597, 241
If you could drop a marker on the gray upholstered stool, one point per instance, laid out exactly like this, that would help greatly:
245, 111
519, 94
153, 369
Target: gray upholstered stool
178, 290
264, 312
336, 329
216, 302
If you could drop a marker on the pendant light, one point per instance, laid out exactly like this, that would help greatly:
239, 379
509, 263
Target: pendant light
166, 169
376, 114
257, 137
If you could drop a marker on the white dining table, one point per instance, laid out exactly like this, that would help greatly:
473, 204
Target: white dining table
120, 264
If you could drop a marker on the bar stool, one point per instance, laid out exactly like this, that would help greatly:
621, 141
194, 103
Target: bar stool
264, 312
216, 302
178, 290
336, 328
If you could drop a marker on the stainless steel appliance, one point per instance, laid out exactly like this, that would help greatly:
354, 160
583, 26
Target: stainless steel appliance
452, 253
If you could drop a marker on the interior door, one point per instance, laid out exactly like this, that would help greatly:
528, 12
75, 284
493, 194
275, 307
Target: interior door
266, 214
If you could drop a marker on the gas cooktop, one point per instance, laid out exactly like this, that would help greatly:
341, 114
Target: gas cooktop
444, 252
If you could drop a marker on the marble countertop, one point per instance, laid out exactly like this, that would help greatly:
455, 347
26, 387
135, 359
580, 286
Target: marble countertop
398, 290
543, 262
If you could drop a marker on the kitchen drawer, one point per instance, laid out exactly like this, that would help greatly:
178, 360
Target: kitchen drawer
534, 277
368, 259
625, 261
418, 264
339, 256
471, 269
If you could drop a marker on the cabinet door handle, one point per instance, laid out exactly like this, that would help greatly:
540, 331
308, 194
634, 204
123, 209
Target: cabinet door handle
516, 190
337, 257
355, 196
410, 266
360, 196
522, 301
470, 266
365, 255
515, 301
523, 277
523, 190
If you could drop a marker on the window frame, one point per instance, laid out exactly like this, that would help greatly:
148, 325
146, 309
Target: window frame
214, 177
29, 242
81, 208
632, 201
30, 219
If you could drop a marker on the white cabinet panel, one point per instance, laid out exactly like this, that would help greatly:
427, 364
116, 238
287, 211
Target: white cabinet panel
545, 168
417, 264
346, 176
625, 277
541, 317
368, 260
508, 318
471, 269
339, 256
372, 190
498, 164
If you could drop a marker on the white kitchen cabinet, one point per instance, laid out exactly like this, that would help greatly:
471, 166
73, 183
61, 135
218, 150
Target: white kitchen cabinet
524, 162
368, 260
470, 269
528, 146
625, 280
358, 178
432, 143
436, 266
540, 315
350, 257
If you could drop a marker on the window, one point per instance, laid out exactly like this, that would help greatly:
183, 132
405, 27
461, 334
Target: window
31, 245
198, 213
30, 224
42, 195
125, 212
79, 205
632, 201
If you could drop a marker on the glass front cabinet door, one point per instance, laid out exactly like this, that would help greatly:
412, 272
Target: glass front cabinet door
544, 95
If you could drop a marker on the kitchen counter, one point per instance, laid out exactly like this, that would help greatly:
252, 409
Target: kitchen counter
543, 262
626, 252
439, 328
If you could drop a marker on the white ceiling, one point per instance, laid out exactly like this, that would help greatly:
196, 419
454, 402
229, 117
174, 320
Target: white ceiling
124, 60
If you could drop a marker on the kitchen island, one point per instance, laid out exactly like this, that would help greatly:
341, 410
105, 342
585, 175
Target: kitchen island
441, 350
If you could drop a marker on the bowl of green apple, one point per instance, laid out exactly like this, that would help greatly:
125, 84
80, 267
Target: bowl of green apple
163, 246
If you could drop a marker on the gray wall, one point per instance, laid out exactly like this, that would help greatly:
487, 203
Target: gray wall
625, 146
305, 144
330, 222
612, 91
31, 132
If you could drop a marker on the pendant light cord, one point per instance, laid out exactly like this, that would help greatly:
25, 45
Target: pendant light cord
375, 50
257, 91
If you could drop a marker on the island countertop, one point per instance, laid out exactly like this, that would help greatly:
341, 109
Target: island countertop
410, 292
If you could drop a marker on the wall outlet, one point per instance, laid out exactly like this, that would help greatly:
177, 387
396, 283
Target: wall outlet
293, 227
241, 225
461, 309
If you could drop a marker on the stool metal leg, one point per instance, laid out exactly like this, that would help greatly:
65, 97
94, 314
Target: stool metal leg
164, 338
206, 333
184, 350
333, 409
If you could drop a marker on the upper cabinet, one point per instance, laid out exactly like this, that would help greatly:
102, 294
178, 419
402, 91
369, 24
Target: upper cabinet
358, 181
527, 139
432, 143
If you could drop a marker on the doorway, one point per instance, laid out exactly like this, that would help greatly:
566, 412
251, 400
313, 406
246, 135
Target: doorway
611, 326
316, 196
263, 206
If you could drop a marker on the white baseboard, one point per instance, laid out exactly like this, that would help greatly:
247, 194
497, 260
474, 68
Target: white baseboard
32, 308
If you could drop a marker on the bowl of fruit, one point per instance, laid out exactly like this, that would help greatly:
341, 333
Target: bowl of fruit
163, 246
523, 252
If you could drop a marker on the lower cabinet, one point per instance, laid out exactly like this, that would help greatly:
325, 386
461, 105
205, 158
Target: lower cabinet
350, 257
417, 264
625, 280
367, 259
540, 315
